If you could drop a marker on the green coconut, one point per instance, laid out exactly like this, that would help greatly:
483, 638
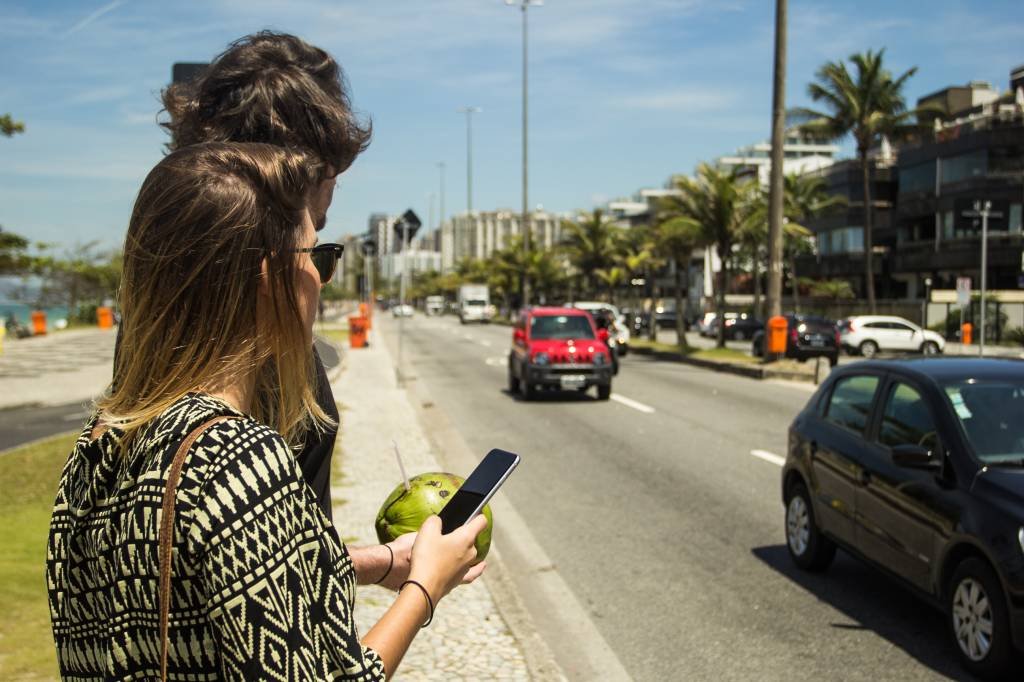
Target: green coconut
404, 511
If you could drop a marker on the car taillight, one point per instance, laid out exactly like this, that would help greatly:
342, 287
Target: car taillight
849, 327
793, 335
838, 341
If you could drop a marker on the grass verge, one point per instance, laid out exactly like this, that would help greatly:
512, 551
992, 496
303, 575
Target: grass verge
28, 479
728, 355
338, 336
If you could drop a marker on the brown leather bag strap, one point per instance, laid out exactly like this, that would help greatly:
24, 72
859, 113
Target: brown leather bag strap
167, 533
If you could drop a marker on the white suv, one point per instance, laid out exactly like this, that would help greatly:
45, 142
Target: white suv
868, 334
622, 335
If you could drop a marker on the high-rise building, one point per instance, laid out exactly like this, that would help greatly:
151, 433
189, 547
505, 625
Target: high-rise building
801, 154
479, 234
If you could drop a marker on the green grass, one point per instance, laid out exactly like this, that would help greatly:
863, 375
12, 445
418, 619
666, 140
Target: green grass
711, 354
338, 336
28, 479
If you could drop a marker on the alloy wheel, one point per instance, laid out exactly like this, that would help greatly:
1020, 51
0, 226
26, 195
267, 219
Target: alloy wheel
972, 619
798, 526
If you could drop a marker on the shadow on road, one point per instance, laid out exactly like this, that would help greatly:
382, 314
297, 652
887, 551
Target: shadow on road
875, 602
551, 396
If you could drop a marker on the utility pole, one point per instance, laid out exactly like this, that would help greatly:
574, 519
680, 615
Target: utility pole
524, 5
469, 111
776, 189
983, 210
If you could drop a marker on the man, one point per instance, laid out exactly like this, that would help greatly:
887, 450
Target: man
277, 89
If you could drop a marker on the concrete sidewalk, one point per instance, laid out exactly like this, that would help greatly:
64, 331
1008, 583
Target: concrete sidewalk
468, 639
61, 367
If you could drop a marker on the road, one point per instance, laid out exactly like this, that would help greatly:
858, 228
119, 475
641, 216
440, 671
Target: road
661, 509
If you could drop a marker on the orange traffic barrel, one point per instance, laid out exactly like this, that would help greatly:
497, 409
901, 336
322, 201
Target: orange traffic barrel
966, 332
104, 317
777, 328
38, 322
357, 331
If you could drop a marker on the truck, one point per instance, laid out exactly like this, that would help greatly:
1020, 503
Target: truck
475, 303
434, 305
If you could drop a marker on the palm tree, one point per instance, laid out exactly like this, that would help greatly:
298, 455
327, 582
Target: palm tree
675, 239
590, 243
715, 205
804, 197
868, 105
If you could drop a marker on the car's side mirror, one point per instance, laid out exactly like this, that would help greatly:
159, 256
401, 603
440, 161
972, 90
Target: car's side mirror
518, 336
914, 457
603, 335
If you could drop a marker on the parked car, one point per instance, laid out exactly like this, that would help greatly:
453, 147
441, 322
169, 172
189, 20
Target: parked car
807, 336
401, 310
621, 333
868, 334
738, 327
917, 466
558, 348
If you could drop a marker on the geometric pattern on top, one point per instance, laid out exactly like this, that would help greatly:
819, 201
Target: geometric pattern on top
261, 587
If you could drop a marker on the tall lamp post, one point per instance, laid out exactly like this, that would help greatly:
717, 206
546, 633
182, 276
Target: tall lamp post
983, 210
525, 5
775, 198
469, 111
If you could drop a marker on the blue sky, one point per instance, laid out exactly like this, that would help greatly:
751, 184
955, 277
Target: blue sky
623, 93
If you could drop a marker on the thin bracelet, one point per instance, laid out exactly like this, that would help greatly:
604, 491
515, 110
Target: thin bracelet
391, 564
430, 602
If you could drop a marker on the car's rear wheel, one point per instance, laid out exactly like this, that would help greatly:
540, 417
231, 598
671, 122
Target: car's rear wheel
604, 391
930, 348
833, 360
979, 620
809, 549
526, 389
868, 349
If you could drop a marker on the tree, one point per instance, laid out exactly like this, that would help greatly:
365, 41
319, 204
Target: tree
805, 197
14, 258
591, 242
9, 127
715, 205
868, 105
675, 238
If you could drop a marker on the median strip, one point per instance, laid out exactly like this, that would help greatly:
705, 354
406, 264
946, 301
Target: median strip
628, 402
769, 457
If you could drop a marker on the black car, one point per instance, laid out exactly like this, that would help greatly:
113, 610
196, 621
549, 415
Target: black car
737, 327
807, 336
917, 466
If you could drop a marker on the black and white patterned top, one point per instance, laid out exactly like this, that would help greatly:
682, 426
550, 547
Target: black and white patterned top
262, 587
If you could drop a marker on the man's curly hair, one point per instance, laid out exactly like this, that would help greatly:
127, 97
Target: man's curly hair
273, 88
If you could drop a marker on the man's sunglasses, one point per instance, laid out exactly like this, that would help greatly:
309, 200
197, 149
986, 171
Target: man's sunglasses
325, 259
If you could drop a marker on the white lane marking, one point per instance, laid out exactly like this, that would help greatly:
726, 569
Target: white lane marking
628, 402
485, 343
77, 416
495, 362
768, 457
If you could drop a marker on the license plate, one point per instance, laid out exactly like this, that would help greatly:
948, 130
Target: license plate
817, 341
570, 381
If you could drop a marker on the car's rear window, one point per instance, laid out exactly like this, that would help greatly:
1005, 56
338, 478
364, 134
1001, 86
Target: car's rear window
561, 327
851, 400
814, 325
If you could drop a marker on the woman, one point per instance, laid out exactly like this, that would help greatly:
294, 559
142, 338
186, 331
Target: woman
219, 292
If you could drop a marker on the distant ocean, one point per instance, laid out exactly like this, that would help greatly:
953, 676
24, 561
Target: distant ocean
23, 313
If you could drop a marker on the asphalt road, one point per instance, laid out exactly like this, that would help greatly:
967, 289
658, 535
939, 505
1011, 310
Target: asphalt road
666, 526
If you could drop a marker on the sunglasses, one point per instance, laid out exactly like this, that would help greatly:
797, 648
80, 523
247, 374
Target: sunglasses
325, 259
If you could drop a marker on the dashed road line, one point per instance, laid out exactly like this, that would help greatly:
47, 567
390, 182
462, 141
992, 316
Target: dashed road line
768, 457
629, 402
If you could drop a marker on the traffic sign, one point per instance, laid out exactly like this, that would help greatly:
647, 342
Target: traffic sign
963, 291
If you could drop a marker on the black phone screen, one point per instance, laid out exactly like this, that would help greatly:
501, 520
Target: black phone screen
487, 476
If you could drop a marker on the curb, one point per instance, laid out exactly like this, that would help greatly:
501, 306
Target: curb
759, 372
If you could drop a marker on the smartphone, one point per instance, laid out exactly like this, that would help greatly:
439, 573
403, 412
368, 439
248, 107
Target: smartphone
478, 489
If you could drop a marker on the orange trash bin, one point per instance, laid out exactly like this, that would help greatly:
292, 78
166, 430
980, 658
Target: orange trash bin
966, 332
356, 331
38, 322
777, 329
104, 317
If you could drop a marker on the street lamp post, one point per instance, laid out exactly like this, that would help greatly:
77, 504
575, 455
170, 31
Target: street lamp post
927, 300
775, 192
524, 5
469, 111
983, 210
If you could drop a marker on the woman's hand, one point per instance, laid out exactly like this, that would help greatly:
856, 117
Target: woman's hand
402, 549
441, 562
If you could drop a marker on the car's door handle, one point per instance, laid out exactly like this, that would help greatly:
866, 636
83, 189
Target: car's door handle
864, 477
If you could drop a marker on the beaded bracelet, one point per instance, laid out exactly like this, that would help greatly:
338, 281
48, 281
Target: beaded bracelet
391, 564
430, 602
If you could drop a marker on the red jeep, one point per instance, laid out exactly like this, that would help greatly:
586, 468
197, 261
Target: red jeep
559, 348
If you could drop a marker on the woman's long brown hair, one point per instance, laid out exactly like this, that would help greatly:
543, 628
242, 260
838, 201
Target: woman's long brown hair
205, 220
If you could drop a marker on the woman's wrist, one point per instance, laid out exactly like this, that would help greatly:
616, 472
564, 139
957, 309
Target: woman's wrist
388, 564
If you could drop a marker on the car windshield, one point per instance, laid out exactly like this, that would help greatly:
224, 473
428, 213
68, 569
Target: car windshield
561, 327
474, 301
989, 412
